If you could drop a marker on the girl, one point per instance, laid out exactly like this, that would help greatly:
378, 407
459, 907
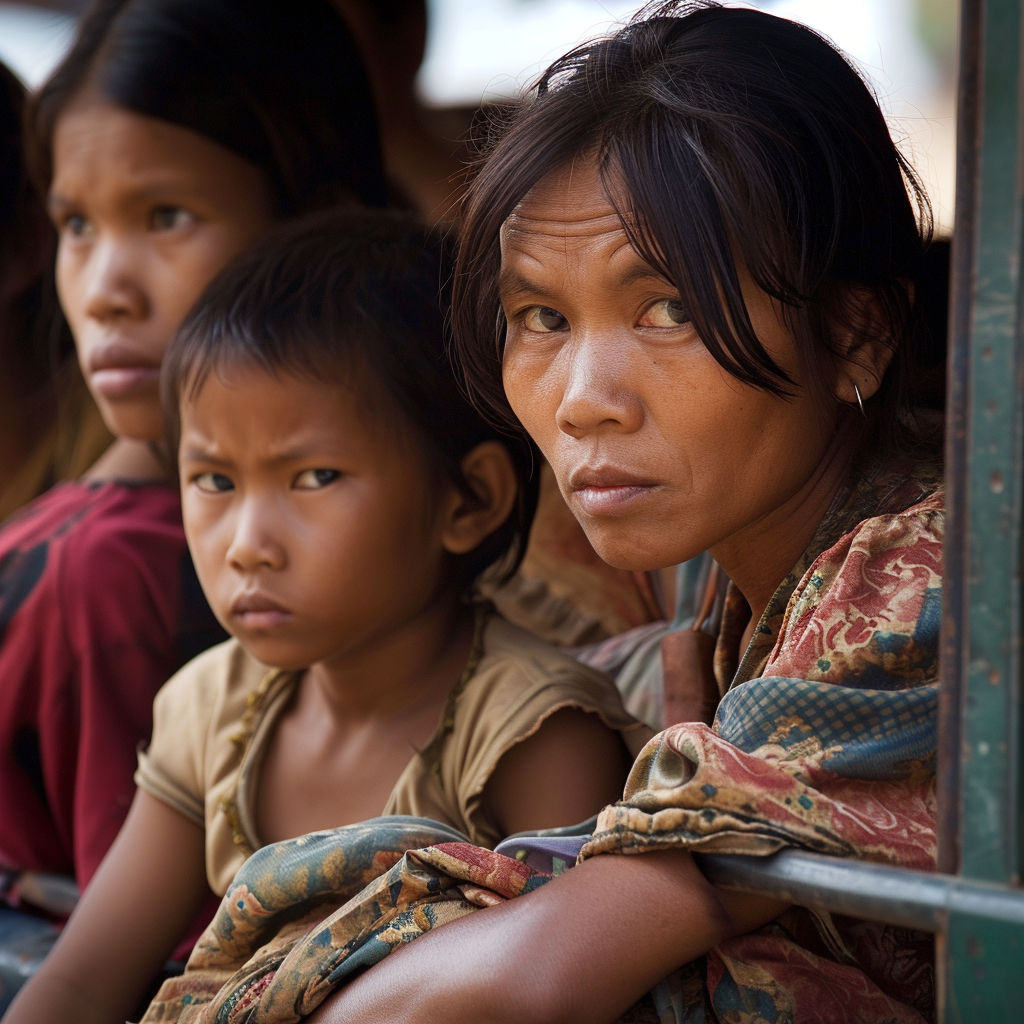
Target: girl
174, 134
340, 498
699, 246
49, 426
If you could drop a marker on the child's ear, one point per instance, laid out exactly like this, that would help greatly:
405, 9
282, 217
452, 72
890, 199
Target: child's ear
866, 352
470, 521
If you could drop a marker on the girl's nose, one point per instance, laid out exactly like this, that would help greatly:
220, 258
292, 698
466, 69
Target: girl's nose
598, 394
114, 290
254, 545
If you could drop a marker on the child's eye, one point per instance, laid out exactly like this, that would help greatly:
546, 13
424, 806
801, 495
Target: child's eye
544, 319
666, 313
214, 483
167, 218
313, 479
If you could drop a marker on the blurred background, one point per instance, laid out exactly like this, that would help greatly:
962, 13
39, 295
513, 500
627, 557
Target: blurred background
482, 51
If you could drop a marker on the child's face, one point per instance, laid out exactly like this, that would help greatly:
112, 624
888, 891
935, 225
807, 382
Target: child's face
147, 214
313, 530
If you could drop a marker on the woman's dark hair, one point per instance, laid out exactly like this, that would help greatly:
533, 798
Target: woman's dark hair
35, 344
280, 84
723, 136
359, 298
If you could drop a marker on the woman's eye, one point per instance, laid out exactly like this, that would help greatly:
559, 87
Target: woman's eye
214, 483
666, 313
544, 319
167, 218
78, 226
314, 479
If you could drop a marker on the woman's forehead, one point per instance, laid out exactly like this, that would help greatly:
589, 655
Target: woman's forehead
572, 200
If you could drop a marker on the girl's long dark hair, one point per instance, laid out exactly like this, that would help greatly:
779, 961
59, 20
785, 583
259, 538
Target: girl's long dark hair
280, 84
722, 135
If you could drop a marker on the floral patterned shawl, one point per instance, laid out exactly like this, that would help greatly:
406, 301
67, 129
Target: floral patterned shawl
824, 740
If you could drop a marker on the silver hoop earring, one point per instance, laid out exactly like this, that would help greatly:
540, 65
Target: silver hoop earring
860, 401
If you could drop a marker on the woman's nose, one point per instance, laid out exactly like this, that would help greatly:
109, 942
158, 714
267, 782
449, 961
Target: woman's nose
254, 545
114, 289
598, 394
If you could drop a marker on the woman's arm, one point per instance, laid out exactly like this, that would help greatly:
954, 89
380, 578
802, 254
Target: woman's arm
581, 950
147, 890
570, 768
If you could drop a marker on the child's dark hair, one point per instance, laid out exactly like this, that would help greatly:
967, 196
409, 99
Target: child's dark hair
723, 135
280, 84
357, 297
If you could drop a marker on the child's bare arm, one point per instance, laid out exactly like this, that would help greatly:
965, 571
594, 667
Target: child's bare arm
138, 905
581, 950
570, 768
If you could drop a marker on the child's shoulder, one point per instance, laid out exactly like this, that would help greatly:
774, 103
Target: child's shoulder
220, 678
520, 681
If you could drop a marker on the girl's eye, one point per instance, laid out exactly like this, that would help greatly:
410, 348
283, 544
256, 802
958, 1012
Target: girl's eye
666, 313
544, 319
167, 218
314, 479
77, 226
214, 483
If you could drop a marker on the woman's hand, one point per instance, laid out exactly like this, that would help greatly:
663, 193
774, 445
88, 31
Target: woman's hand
581, 950
147, 890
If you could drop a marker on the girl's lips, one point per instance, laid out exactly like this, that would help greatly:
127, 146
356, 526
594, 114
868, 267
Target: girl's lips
125, 381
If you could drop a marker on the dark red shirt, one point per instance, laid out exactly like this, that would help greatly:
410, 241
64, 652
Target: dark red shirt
99, 606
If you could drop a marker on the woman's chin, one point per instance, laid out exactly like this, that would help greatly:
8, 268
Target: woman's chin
624, 546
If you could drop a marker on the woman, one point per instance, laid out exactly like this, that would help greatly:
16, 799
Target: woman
688, 270
174, 135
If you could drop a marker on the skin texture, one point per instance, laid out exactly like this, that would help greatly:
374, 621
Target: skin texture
320, 542
147, 214
661, 455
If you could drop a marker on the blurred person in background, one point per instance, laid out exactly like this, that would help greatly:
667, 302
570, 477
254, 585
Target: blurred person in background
174, 135
49, 426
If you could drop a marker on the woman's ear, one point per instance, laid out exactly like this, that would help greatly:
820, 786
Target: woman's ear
865, 350
468, 522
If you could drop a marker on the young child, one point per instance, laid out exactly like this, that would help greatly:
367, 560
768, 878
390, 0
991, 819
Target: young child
173, 135
340, 497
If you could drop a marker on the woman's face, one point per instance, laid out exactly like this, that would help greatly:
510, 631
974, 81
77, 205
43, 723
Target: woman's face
147, 214
659, 452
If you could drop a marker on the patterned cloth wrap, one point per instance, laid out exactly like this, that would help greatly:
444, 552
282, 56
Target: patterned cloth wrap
302, 917
824, 741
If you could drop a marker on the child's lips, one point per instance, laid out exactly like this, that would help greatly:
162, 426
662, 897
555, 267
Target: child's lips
258, 612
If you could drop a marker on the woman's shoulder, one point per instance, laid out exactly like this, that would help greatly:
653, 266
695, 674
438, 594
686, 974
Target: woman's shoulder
867, 611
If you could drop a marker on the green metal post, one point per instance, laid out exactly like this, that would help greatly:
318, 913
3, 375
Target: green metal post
982, 960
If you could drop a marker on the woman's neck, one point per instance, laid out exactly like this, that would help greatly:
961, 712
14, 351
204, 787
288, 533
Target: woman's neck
129, 461
760, 557
413, 666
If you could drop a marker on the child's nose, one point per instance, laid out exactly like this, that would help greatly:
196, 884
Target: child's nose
253, 545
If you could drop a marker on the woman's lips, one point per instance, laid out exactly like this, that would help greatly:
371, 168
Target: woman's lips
258, 613
606, 491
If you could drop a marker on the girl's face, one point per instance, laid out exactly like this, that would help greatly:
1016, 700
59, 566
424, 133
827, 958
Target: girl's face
147, 214
659, 452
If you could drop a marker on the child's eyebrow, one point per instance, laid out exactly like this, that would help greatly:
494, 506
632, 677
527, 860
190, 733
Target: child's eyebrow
193, 453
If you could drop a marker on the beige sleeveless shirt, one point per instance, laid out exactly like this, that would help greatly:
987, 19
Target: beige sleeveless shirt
213, 719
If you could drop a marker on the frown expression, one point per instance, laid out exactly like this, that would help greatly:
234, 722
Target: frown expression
147, 214
660, 453
312, 528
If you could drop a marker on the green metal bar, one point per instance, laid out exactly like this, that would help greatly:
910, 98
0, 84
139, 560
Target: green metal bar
876, 892
990, 794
